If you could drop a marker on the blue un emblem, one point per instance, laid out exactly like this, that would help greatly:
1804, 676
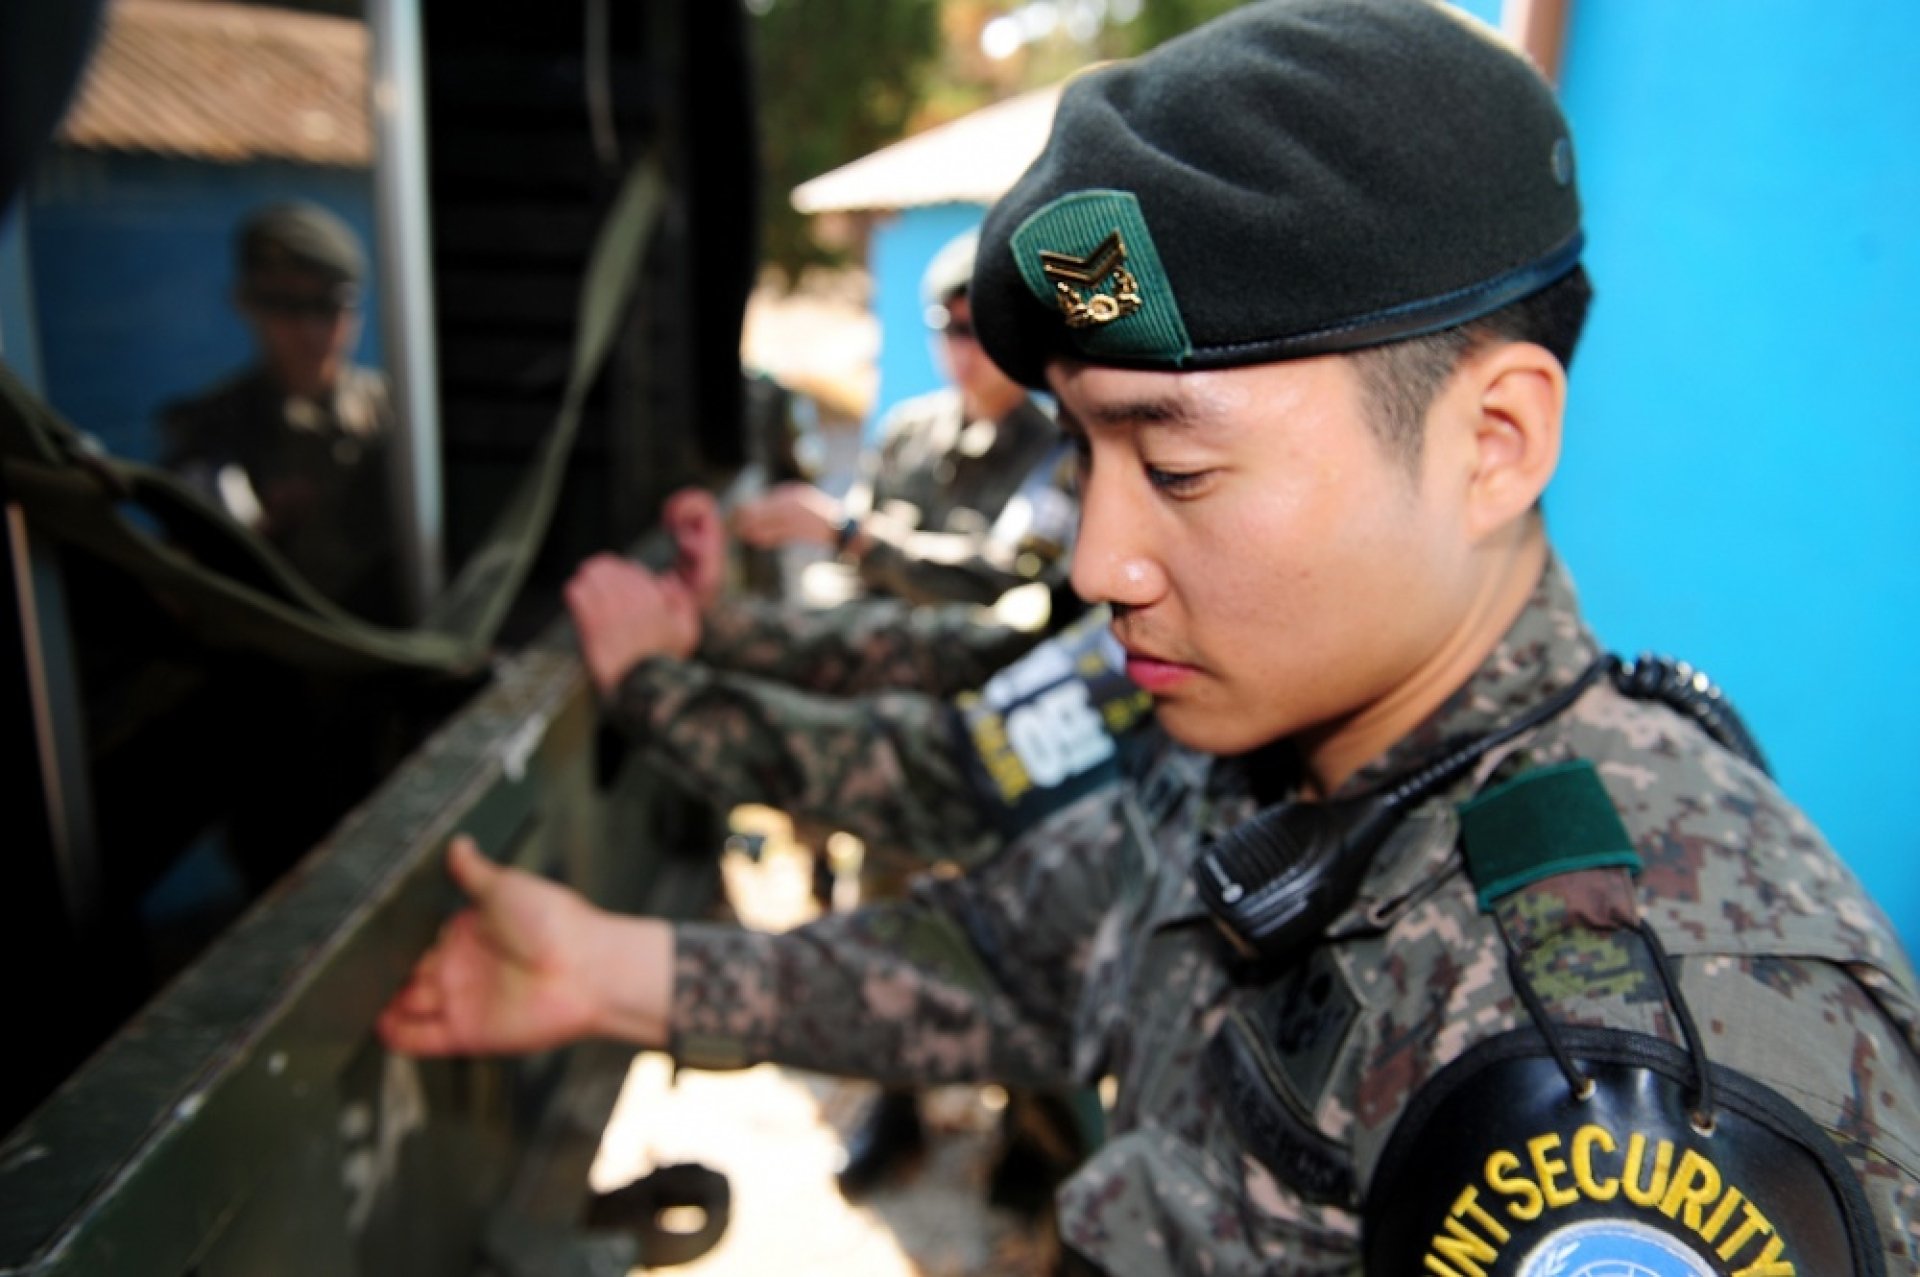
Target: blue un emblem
1611, 1248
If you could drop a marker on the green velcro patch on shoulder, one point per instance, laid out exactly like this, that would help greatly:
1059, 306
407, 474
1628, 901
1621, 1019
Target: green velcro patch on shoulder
1089, 255
1546, 822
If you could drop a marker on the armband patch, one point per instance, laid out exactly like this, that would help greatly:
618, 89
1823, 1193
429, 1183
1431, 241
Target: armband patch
1497, 1170
1043, 731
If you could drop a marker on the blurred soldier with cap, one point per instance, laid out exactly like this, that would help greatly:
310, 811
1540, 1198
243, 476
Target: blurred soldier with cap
297, 445
965, 497
1429, 939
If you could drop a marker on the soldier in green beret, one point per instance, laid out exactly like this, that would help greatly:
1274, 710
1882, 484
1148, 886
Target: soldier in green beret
1425, 938
296, 446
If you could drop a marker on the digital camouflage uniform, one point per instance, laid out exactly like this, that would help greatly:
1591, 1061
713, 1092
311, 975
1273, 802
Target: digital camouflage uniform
844, 719
763, 713
837, 715
961, 511
1081, 951
316, 471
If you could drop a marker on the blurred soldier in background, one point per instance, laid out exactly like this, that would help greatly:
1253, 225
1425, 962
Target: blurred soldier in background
967, 495
862, 718
296, 446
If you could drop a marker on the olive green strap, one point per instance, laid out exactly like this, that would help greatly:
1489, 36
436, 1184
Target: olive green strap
477, 601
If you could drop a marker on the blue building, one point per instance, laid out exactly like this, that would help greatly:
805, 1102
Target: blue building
1741, 484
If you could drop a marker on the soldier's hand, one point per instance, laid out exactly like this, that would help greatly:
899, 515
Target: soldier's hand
789, 514
693, 517
623, 614
511, 973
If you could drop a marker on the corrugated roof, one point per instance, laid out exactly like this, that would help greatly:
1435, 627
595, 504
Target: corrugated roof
225, 82
972, 160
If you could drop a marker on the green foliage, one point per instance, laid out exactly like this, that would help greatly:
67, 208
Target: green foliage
838, 79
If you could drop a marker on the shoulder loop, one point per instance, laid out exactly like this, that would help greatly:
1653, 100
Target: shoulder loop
1549, 821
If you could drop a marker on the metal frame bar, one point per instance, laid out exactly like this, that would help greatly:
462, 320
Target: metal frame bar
405, 252
53, 686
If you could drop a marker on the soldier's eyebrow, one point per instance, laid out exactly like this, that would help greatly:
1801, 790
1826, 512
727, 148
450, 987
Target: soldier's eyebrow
1157, 411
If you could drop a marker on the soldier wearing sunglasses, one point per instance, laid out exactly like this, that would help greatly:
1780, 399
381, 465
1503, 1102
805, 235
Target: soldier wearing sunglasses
295, 445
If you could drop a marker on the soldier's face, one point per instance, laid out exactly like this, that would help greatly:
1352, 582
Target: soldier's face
1274, 569
304, 329
984, 389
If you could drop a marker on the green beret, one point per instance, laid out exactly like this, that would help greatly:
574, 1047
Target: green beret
1295, 178
299, 236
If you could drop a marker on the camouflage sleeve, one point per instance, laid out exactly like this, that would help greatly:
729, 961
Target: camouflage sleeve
931, 568
866, 646
1028, 541
972, 978
886, 768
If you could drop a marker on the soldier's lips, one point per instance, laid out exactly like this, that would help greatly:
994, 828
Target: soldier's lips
1155, 674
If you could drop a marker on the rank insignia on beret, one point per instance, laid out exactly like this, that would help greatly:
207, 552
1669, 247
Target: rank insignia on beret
1077, 282
1089, 256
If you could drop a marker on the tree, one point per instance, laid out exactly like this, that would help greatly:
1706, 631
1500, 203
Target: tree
838, 79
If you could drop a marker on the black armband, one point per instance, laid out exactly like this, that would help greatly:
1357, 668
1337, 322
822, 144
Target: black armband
1498, 1169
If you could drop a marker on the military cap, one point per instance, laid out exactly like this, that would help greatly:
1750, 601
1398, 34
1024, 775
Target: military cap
951, 269
1295, 178
299, 236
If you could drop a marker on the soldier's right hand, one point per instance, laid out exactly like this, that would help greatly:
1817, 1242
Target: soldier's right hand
623, 614
789, 514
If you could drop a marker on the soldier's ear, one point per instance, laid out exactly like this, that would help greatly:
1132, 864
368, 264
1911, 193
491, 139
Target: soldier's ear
1513, 395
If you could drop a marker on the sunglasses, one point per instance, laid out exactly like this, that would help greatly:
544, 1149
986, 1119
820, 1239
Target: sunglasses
300, 305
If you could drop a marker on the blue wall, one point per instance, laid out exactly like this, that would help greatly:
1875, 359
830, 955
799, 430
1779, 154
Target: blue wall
132, 267
1743, 451
897, 256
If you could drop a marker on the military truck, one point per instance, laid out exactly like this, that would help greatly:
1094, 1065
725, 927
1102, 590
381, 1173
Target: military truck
565, 199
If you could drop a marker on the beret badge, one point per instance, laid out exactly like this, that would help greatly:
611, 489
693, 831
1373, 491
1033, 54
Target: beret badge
1077, 282
1087, 257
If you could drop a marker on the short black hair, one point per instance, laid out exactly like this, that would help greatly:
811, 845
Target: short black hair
1399, 380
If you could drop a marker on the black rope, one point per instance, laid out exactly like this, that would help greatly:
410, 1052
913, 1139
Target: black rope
1456, 759
1696, 1047
1579, 1083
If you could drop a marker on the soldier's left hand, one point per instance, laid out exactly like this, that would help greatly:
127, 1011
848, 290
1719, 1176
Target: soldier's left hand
693, 517
623, 614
